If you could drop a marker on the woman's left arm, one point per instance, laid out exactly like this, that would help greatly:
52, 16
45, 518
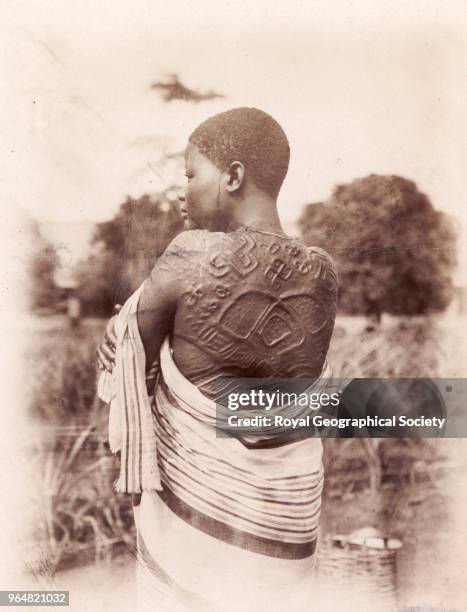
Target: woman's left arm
158, 302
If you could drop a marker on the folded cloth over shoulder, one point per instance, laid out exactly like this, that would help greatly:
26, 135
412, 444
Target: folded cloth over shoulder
131, 427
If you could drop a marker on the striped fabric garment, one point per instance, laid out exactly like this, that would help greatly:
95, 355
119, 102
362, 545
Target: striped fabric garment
130, 419
264, 500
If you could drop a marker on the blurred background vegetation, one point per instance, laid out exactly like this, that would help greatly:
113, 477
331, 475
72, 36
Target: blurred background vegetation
125, 249
395, 252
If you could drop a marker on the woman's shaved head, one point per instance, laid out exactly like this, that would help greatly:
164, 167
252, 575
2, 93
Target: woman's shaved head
250, 136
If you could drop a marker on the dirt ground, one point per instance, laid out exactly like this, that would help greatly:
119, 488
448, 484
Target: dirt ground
431, 566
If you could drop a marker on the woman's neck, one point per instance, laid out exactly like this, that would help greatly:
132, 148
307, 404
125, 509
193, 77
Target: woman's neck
258, 215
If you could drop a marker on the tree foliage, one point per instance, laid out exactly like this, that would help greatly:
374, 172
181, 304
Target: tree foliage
42, 263
395, 253
125, 250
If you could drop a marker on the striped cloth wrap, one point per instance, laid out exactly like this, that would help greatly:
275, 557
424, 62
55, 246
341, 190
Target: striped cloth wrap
131, 428
266, 500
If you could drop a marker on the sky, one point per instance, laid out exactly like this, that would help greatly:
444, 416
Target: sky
359, 88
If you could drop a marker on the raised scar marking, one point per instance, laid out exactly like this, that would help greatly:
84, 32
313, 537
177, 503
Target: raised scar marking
274, 248
222, 291
258, 330
243, 314
304, 267
310, 311
219, 265
277, 270
275, 329
244, 356
207, 333
216, 341
260, 317
239, 260
292, 250
191, 297
317, 267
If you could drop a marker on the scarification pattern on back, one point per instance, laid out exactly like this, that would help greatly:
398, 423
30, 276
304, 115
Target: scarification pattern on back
253, 305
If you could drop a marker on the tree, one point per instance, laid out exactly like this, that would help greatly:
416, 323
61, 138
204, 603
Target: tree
395, 253
125, 250
42, 264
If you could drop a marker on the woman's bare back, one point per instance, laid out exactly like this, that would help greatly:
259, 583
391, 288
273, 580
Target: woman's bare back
252, 305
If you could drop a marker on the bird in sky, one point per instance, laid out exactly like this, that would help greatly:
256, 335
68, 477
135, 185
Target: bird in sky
173, 89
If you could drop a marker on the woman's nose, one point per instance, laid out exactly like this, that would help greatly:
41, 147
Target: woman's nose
181, 196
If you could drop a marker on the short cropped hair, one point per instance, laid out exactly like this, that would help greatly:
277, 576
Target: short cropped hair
250, 136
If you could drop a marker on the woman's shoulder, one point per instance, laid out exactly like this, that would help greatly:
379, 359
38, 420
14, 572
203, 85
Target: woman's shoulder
324, 258
191, 249
199, 240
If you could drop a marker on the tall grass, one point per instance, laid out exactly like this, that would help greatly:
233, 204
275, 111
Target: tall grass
403, 347
79, 514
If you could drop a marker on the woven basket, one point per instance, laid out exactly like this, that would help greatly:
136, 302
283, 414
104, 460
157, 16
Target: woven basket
358, 571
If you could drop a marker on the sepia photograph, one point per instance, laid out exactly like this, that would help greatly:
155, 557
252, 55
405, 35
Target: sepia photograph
234, 305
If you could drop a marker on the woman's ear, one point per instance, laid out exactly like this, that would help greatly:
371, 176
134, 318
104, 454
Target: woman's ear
235, 176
